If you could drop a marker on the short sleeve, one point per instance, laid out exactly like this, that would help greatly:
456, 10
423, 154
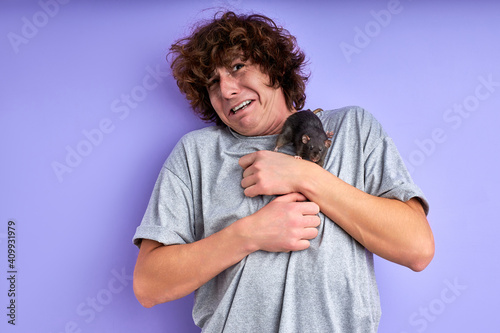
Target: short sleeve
385, 172
169, 214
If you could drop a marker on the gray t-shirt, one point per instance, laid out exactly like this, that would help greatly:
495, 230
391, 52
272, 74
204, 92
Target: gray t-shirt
329, 287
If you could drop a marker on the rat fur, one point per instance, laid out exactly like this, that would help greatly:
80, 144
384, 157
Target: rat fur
306, 132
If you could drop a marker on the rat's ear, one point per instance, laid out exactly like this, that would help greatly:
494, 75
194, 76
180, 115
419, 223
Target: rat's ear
328, 143
305, 138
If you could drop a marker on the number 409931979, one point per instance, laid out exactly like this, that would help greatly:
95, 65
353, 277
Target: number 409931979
11, 241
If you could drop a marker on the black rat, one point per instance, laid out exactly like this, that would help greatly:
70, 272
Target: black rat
306, 132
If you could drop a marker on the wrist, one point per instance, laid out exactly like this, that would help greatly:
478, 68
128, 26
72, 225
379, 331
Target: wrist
306, 181
242, 231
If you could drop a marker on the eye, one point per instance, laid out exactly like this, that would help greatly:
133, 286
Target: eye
212, 83
238, 67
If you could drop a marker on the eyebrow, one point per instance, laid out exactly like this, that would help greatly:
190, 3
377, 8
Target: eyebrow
239, 59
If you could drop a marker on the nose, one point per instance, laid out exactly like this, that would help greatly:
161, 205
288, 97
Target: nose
229, 86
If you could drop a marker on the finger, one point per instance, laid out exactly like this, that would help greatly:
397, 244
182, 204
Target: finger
310, 233
312, 221
300, 245
251, 191
248, 171
247, 160
310, 208
255, 189
248, 181
291, 197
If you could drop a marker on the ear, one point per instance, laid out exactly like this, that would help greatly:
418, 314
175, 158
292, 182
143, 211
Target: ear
328, 143
305, 138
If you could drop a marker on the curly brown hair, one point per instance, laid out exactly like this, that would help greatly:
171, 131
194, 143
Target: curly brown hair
226, 37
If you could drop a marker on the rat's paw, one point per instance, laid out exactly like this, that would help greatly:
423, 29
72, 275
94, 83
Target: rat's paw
298, 157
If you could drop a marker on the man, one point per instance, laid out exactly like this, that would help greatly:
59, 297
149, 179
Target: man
270, 243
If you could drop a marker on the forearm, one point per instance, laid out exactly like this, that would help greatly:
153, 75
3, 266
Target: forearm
394, 230
166, 273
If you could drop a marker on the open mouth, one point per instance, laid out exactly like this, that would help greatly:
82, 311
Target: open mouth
242, 106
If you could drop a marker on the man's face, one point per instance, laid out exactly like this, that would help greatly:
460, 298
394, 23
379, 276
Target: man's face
243, 100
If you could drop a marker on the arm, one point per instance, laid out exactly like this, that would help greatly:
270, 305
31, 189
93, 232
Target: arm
395, 230
165, 273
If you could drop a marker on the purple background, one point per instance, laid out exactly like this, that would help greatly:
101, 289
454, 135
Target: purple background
76, 76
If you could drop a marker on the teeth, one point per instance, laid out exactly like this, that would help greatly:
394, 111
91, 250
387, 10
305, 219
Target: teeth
241, 106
